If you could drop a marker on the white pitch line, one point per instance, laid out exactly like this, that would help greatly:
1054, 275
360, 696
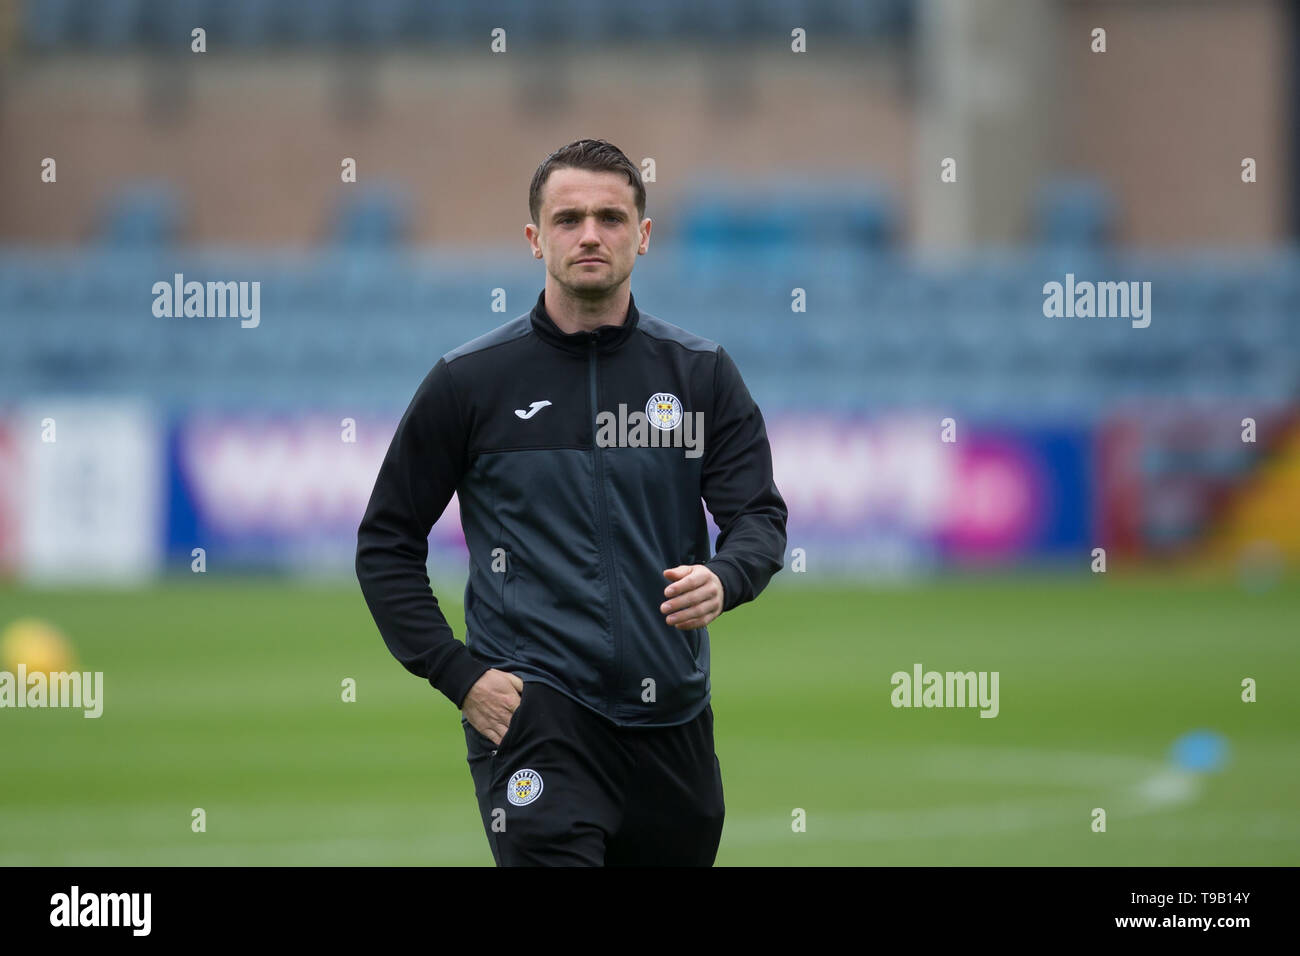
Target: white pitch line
1123, 786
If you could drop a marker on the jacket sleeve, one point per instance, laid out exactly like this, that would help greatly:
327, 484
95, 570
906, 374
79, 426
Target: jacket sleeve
739, 490
419, 474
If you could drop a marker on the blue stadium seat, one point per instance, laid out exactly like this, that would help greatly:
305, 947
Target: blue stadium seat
378, 22
724, 20
248, 24
168, 24
372, 215
582, 20
141, 214
113, 24
50, 24
650, 22
1074, 212
312, 23
448, 21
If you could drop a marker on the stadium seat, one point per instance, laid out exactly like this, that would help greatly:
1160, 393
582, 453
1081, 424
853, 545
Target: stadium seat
50, 24
141, 214
113, 24
372, 215
248, 24
1074, 212
313, 23
167, 24
379, 22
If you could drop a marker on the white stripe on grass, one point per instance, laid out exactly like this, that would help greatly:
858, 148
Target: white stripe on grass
1124, 786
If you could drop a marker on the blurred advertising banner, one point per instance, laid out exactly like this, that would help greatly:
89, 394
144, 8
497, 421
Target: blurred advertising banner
891, 495
876, 495
80, 493
283, 491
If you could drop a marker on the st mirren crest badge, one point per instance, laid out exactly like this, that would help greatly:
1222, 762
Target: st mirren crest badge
664, 411
525, 786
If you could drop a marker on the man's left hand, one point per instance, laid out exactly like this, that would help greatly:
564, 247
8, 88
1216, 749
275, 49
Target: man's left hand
694, 597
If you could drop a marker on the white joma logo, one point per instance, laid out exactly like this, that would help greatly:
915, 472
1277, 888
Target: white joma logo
533, 409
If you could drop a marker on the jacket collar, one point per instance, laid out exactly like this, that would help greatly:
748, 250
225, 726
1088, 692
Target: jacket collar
607, 337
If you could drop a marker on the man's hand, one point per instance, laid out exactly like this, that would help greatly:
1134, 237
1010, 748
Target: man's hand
490, 703
694, 597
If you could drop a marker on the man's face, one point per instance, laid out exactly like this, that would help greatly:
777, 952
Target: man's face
588, 215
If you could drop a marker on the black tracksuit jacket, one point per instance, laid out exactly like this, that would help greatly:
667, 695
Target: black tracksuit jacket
568, 534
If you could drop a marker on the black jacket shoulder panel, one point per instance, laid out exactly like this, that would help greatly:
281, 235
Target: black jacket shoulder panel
657, 328
514, 329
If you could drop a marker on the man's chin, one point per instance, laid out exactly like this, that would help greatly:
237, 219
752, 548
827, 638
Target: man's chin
591, 286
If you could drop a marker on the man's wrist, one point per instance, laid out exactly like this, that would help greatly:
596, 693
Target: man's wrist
459, 675
728, 577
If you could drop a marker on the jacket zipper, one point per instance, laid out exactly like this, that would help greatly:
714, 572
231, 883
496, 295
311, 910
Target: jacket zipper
603, 515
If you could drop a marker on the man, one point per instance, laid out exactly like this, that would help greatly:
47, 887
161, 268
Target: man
580, 438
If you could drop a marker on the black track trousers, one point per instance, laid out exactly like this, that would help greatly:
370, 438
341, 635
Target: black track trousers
566, 787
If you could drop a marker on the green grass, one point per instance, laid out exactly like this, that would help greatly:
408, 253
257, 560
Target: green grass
225, 695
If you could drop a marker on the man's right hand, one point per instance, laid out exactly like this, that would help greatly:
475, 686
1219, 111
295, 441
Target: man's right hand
490, 703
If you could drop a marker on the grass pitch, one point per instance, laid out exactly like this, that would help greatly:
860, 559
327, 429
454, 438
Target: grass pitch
225, 695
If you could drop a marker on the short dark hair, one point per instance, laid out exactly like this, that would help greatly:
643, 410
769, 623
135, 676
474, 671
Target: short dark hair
593, 154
